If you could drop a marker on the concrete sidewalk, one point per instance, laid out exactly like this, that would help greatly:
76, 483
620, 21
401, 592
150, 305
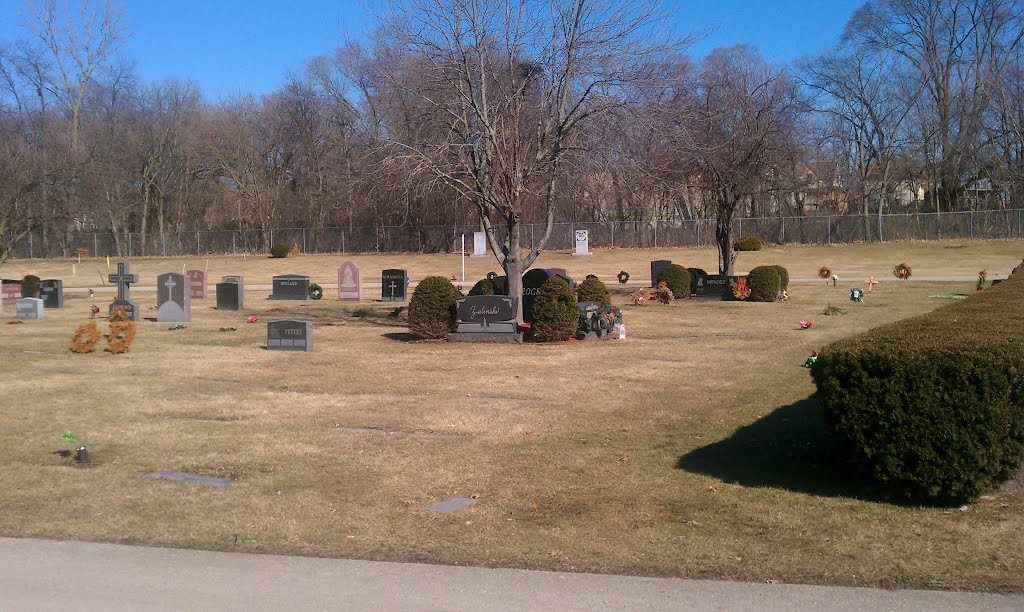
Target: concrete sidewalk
49, 575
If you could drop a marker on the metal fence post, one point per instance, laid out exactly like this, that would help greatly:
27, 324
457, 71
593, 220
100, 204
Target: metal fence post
830, 230
95, 246
129, 244
30, 245
197, 243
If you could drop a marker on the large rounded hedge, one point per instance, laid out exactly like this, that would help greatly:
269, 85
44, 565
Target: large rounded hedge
555, 314
678, 280
748, 243
483, 287
934, 405
593, 290
432, 307
764, 284
30, 286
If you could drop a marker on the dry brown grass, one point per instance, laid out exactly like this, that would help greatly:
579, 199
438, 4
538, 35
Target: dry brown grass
690, 449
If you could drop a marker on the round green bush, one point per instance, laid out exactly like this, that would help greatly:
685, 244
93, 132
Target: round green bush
432, 307
783, 277
555, 315
678, 280
30, 286
483, 287
280, 250
695, 273
748, 243
764, 284
593, 290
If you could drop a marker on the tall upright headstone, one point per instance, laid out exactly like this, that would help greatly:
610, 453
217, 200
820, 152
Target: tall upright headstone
10, 290
197, 283
230, 293
52, 292
479, 244
392, 285
350, 281
582, 243
124, 279
29, 308
173, 297
532, 282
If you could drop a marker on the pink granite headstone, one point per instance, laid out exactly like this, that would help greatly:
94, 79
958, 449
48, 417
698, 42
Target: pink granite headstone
349, 287
197, 283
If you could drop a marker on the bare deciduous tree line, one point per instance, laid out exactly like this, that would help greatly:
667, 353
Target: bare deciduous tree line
506, 112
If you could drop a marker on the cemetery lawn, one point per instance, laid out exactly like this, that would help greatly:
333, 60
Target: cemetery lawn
695, 448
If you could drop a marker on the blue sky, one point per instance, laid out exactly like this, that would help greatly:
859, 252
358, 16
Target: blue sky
230, 47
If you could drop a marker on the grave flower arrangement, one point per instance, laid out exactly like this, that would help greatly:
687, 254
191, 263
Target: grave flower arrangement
740, 290
603, 321
901, 271
623, 277
824, 272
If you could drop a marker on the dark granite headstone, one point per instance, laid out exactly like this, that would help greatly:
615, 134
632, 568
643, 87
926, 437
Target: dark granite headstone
29, 308
124, 279
230, 294
290, 287
196, 283
10, 290
715, 286
532, 282
486, 313
52, 292
656, 267
289, 335
393, 284
173, 297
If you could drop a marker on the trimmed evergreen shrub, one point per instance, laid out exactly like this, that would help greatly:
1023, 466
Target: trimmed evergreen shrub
934, 404
695, 273
783, 277
483, 287
555, 315
280, 250
30, 286
432, 307
748, 243
593, 290
764, 284
678, 280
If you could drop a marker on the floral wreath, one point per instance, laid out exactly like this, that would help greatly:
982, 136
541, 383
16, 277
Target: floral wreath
623, 277
316, 291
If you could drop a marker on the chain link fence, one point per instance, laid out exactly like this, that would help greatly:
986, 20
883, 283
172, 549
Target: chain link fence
1005, 224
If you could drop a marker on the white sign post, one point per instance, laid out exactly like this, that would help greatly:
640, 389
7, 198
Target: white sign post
582, 243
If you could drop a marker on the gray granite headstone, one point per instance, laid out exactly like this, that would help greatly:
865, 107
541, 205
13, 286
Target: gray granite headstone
479, 244
173, 298
230, 294
393, 284
290, 287
29, 308
289, 335
582, 243
52, 292
715, 286
486, 318
124, 279
197, 283
350, 282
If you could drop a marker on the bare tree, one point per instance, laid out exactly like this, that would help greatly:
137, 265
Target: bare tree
499, 90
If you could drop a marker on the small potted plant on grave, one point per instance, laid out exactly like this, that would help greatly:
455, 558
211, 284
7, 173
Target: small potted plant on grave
81, 453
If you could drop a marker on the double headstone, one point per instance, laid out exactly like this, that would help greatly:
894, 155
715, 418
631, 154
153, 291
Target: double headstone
196, 283
173, 297
124, 279
486, 318
52, 292
290, 287
582, 243
289, 335
10, 290
230, 292
392, 285
29, 308
532, 282
479, 244
656, 269
350, 282
715, 286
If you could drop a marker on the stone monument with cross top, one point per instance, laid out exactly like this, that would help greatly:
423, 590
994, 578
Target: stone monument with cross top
124, 279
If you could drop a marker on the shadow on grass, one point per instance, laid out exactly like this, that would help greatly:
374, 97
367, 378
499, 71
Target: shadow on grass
792, 448
401, 336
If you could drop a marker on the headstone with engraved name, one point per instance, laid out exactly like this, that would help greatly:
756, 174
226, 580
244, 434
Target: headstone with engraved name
10, 290
486, 318
52, 292
289, 335
350, 281
124, 279
197, 283
393, 284
173, 297
290, 287
582, 243
715, 286
29, 308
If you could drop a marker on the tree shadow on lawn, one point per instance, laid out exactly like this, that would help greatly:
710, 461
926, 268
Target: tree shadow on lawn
792, 448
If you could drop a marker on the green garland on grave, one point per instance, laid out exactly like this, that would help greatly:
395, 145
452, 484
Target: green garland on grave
316, 291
